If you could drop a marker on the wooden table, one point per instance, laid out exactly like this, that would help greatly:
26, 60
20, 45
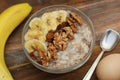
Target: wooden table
105, 14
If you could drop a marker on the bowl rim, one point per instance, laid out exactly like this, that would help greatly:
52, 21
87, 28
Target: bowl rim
62, 70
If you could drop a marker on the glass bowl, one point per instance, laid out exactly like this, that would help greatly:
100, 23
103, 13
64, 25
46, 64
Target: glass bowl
53, 8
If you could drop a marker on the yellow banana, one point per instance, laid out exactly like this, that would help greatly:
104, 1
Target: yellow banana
9, 20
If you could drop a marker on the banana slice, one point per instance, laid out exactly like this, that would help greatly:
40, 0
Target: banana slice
49, 20
37, 23
53, 19
35, 34
62, 14
34, 44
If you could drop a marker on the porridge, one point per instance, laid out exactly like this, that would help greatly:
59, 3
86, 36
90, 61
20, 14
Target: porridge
58, 39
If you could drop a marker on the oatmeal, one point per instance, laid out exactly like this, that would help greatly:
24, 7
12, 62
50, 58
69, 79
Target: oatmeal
58, 39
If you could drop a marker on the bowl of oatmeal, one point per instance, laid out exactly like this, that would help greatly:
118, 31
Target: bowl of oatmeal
58, 39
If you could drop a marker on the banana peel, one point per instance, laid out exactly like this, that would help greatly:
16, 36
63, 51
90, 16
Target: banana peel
9, 20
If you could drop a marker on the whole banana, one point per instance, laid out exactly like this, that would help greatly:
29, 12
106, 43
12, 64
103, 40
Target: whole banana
9, 20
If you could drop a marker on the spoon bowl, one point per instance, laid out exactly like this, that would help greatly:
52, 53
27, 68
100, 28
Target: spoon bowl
109, 40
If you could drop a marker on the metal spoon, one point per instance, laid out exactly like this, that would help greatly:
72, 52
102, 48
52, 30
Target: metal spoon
108, 41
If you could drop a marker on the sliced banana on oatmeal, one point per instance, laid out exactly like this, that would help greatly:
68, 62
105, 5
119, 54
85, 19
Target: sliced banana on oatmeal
35, 34
53, 19
49, 21
62, 14
37, 23
34, 44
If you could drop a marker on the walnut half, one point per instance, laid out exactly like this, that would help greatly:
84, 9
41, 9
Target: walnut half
76, 17
72, 24
43, 58
60, 40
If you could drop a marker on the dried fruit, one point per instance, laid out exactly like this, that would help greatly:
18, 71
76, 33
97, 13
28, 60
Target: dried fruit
62, 25
49, 36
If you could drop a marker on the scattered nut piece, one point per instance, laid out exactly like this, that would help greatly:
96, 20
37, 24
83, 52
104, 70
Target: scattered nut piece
76, 17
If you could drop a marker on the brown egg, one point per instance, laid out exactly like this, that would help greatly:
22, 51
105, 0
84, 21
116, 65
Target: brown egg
109, 68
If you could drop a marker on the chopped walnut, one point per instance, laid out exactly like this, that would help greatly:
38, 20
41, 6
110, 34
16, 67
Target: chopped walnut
69, 32
49, 36
76, 17
60, 40
44, 58
72, 24
52, 50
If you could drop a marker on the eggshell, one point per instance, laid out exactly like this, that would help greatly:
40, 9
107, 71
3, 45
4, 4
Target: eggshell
109, 68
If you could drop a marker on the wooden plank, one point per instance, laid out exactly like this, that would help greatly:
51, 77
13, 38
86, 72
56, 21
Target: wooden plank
103, 13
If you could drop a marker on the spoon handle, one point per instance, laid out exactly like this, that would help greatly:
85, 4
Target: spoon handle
91, 70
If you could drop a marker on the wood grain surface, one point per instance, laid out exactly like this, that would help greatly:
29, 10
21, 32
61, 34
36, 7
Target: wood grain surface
105, 14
